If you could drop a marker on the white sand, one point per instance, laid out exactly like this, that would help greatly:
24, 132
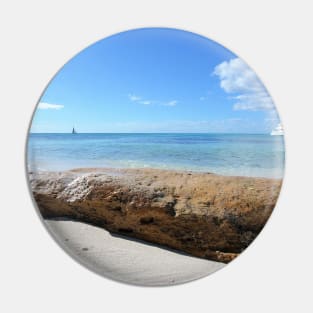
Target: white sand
128, 260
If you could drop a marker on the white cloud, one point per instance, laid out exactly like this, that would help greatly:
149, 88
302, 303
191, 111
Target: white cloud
236, 77
134, 97
170, 103
49, 106
146, 102
142, 100
254, 102
206, 96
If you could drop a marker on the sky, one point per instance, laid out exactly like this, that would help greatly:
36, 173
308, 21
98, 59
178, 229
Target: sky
155, 80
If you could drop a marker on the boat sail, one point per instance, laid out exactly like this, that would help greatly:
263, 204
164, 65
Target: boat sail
278, 131
74, 131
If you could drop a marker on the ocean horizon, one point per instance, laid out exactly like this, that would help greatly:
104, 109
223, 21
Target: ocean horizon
233, 154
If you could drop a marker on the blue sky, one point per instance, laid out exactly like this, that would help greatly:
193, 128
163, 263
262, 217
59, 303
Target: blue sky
155, 80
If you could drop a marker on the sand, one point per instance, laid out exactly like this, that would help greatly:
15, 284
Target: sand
125, 259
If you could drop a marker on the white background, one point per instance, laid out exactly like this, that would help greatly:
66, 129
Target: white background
274, 37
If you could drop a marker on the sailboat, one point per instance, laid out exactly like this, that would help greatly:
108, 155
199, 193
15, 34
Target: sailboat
278, 131
74, 131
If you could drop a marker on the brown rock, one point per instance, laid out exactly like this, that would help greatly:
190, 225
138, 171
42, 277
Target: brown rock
206, 215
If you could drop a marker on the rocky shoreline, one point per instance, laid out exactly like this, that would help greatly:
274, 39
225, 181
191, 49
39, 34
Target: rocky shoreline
206, 215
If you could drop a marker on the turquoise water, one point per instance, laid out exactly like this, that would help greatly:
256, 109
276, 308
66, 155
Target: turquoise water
226, 154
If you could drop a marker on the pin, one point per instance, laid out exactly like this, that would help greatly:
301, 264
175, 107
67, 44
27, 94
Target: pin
155, 156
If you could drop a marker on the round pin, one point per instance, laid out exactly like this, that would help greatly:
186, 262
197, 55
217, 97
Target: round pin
155, 156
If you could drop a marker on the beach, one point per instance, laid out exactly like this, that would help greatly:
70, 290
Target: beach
155, 209
125, 259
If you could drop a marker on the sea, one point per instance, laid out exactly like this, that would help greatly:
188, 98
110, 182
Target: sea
255, 155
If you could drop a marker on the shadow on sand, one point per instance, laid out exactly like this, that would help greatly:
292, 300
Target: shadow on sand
125, 237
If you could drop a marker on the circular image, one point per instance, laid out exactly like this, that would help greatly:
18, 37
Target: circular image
155, 156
